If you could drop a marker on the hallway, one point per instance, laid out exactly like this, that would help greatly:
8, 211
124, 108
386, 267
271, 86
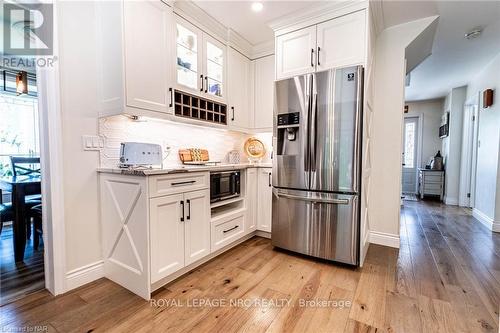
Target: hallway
445, 278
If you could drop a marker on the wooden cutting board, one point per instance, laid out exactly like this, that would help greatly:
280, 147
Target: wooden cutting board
193, 155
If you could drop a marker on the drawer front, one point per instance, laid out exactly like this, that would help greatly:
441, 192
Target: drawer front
177, 183
433, 178
428, 188
227, 230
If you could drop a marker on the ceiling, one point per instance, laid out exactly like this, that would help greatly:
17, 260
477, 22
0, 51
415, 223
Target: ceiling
253, 26
454, 60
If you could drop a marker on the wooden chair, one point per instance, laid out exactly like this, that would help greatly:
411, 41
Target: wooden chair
6, 212
22, 166
36, 213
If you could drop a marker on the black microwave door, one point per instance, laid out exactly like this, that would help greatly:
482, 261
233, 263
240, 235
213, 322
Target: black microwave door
214, 187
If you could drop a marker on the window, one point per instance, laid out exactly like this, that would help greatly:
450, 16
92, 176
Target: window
18, 129
409, 153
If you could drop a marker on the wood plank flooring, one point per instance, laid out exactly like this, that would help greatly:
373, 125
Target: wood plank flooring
19, 279
445, 278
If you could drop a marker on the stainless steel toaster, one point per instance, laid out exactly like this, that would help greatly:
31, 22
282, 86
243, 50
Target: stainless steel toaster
140, 154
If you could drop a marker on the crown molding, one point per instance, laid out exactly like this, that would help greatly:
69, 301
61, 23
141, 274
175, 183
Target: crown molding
198, 17
201, 19
316, 14
263, 49
239, 43
377, 15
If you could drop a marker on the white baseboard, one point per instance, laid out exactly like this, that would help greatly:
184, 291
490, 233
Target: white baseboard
486, 220
83, 275
451, 201
382, 238
264, 234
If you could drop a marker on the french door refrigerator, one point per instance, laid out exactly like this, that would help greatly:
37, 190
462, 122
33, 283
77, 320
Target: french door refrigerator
317, 164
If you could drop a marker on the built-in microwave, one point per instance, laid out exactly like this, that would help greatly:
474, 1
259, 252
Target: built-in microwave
224, 185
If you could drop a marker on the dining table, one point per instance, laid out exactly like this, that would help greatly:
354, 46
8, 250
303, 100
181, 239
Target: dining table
20, 187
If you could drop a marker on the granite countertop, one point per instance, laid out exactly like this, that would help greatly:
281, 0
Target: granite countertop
182, 169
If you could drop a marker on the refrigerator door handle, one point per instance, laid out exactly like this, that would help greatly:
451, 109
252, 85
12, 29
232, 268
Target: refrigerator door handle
307, 160
312, 133
327, 201
357, 128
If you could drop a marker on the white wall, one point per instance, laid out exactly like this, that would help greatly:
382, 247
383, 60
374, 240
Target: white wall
387, 127
488, 167
78, 75
430, 112
452, 145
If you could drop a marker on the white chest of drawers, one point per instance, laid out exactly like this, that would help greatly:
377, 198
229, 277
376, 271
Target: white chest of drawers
430, 182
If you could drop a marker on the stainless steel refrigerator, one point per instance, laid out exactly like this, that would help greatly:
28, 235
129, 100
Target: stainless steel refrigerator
316, 165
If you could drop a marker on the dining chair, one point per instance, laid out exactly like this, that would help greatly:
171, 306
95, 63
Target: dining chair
36, 214
6, 212
23, 166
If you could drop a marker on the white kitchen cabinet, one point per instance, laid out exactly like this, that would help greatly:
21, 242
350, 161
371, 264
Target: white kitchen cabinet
264, 93
189, 57
153, 227
135, 72
295, 53
264, 200
214, 68
200, 64
197, 225
239, 78
180, 231
227, 229
251, 200
167, 235
338, 42
341, 41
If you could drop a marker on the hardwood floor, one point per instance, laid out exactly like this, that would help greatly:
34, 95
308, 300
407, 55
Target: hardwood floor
19, 279
445, 278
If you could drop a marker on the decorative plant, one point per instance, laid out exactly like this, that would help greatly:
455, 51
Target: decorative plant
12, 140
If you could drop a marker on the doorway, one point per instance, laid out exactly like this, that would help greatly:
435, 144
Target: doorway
469, 153
22, 267
410, 155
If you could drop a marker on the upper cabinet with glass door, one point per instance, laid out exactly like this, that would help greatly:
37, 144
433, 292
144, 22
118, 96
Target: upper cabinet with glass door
214, 58
189, 55
200, 62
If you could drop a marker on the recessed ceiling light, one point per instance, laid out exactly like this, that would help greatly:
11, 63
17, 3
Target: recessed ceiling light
257, 6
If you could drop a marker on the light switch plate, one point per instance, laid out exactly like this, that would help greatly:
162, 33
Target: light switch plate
92, 142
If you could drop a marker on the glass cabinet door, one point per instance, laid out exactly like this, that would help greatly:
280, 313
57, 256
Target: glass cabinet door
214, 67
188, 67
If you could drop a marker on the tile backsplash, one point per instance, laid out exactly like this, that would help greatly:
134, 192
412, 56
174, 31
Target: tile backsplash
176, 135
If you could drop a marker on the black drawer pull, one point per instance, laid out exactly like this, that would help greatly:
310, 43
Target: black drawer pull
201, 77
184, 183
228, 230
312, 53
171, 97
189, 209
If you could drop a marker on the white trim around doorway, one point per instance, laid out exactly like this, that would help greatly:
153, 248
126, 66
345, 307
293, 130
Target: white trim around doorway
51, 163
